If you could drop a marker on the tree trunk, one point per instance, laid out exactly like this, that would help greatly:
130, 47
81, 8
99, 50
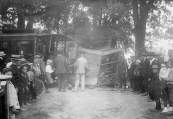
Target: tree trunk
141, 9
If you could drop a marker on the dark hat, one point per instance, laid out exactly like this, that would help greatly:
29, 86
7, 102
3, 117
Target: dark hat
155, 67
6, 70
143, 54
27, 65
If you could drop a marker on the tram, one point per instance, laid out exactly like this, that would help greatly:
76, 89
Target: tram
28, 45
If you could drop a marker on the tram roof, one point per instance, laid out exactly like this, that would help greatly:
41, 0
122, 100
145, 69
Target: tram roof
31, 36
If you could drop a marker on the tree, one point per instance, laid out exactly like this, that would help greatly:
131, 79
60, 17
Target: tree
29, 10
110, 20
141, 9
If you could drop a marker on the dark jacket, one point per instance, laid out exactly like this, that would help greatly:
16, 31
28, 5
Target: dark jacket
145, 66
15, 71
132, 69
155, 82
122, 65
69, 65
137, 71
155, 62
60, 64
22, 81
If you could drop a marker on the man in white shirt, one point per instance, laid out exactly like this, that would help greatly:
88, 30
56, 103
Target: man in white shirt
82, 66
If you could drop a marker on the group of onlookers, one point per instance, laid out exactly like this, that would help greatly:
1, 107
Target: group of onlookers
22, 86
25, 75
152, 77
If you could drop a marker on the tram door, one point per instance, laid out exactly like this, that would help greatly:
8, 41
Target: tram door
23, 47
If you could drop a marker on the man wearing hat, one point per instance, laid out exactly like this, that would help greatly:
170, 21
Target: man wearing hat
122, 66
2, 64
155, 85
60, 65
145, 66
131, 72
153, 61
82, 66
137, 77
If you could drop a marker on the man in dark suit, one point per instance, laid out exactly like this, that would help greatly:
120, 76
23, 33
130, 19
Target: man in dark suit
60, 65
153, 61
122, 67
131, 72
145, 66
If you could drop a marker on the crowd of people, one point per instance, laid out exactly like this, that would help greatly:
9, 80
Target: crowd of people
147, 74
22, 86
152, 77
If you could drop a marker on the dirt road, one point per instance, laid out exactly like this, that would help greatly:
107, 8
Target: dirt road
95, 103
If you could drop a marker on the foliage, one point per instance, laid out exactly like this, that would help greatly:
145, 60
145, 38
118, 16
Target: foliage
93, 23
159, 25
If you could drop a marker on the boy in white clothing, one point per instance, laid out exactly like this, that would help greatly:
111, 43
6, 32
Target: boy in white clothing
48, 74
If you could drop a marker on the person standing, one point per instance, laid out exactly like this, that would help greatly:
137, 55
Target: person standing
137, 79
35, 68
49, 71
153, 61
60, 65
156, 85
145, 65
23, 89
170, 85
82, 66
131, 73
122, 67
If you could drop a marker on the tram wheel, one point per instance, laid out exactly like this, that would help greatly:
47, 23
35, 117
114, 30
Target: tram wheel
40, 88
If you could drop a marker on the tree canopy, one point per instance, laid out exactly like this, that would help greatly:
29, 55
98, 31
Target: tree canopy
122, 22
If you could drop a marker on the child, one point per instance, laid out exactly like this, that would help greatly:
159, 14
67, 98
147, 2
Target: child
155, 85
23, 87
35, 68
48, 74
13, 98
163, 75
32, 91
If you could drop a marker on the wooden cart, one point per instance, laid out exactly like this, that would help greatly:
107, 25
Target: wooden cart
103, 66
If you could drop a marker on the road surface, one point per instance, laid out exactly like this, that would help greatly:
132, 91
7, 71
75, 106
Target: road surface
98, 103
